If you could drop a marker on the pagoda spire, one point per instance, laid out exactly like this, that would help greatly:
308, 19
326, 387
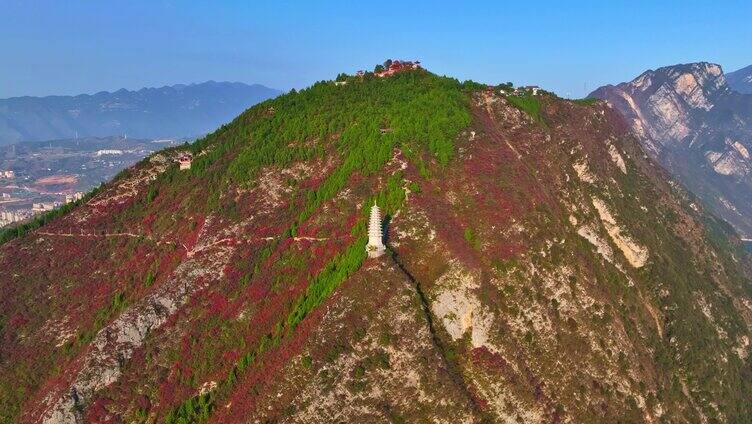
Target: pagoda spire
375, 246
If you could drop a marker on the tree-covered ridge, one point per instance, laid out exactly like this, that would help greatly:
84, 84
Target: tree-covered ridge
364, 120
406, 117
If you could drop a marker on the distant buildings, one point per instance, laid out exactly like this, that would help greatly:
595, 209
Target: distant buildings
70, 198
9, 217
43, 207
7, 174
108, 152
533, 89
528, 89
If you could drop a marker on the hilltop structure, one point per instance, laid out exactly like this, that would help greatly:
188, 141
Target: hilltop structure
398, 66
375, 246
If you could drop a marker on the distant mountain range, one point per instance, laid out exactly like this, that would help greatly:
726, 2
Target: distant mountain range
698, 124
741, 80
171, 111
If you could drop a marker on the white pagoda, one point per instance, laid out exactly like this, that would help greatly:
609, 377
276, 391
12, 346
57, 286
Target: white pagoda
375, 246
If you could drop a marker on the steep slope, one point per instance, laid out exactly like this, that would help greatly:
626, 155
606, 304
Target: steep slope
540, 269
700, 130
741, 80
171, 111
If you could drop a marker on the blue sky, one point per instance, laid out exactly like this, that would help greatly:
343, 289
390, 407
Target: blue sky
84, 46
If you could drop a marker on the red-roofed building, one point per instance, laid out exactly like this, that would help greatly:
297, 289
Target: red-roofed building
398, 66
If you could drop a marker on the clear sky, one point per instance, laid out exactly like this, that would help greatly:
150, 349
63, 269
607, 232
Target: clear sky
571, 47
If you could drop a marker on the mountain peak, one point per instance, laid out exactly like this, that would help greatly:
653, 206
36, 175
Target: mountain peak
672, 94
694, 83
687, 117
693, 67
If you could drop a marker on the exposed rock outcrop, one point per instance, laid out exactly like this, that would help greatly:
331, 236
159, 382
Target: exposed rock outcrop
700, 129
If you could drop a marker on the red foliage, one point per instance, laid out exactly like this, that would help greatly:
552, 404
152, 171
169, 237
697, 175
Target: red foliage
477, 399
148, 222
232, 273
18, 320
189, 240
483, 356
98, 412
218, 304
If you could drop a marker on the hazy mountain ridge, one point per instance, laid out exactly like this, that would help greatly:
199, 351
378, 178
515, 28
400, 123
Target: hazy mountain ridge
541, 269
741, 80
700, 129
171, 112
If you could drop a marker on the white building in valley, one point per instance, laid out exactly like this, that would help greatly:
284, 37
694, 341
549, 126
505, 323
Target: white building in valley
43, 207
375, 246
105, 152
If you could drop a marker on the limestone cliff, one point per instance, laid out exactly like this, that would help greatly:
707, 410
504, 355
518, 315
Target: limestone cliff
688, 118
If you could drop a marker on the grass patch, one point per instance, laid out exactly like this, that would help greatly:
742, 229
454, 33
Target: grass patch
528, 104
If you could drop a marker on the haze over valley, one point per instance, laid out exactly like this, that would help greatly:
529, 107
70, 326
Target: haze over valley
54, 149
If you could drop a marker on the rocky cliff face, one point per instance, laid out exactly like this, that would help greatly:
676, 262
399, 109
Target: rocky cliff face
541, 268
688, 118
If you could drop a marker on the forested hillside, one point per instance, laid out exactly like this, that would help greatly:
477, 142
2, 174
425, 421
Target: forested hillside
540, 269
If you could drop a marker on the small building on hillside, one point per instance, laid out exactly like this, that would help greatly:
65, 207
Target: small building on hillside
529, 89
185, 161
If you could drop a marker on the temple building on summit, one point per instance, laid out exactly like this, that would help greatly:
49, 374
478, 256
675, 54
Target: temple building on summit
375, 246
